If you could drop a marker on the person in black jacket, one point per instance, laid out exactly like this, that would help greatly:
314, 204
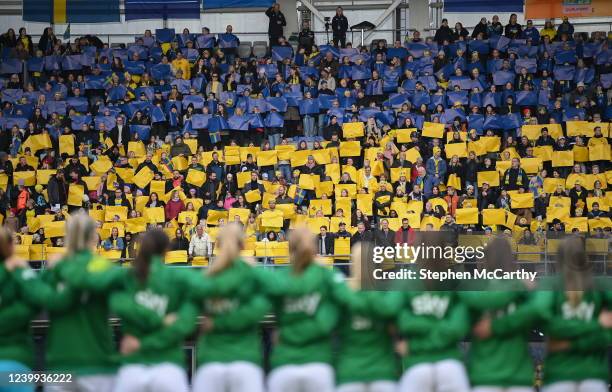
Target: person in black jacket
277, 22
306, 38
339, 27
120, 134
444, 33
481, 27
513, 29
179, 242
325, 242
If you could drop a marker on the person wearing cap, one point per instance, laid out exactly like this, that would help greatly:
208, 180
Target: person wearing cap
531, 33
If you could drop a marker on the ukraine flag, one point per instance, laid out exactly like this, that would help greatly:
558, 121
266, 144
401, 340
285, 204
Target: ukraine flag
71, 11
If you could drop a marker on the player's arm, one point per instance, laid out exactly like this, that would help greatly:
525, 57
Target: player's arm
43, 290
175, 332
123, 305
537, 307
320, 325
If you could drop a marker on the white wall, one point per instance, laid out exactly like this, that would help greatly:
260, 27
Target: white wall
355, 17
471, 19
256, 22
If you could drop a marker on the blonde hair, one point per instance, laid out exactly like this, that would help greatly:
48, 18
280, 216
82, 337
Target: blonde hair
302, 249
230, 241
80, 233
6, 243
356, 267
575, 267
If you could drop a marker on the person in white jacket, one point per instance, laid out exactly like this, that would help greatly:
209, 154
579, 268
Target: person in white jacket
200, 245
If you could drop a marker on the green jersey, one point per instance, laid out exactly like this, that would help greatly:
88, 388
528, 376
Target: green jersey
143, 306
366, 347
234, 301
306, 315
79, 339
433, 322
586, 357
503, 359
15, 316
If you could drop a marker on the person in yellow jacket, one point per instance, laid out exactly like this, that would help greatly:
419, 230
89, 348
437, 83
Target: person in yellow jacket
548, 30
182, 64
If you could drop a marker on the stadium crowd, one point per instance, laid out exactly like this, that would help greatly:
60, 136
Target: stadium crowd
504, 128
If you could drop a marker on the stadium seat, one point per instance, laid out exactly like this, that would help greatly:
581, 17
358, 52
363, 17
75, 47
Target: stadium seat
244, 50
260, 48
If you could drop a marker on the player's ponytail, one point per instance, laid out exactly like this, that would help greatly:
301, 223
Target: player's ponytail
81, 233
153, 244
6, 244
575, 269
230, 242
301, 249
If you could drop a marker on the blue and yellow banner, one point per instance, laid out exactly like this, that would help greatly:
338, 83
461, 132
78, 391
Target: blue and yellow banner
71, 11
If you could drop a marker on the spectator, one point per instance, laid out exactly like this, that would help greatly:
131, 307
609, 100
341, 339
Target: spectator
339, 27
565, 28
114, 242
276, 24
513, 29
200, 245
444, 33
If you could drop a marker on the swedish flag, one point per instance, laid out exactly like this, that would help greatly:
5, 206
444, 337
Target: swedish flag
71, 11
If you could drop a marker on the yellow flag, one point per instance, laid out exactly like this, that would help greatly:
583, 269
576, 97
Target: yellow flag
66, 144
136, 225
137, 147
158, 187
28, 177
493, 143
154, 214
490, 177
454, 181
180, 163
351, 189
435, 130
242, 178
285, 151
299, 158
521, 200
43, 176
102, 165
493, 216
466, 216
195, 177
214, 216
531, 165
144, 178
350, 149
333, 171
111, 211
412, 155
551, 184
267, 158
353, 129
75, 195
325, 187
252, 196
599, 152
364, 203
243, 213
37, 142
578, 128
543, 152
322, 157
459, 149
580, 223
324, 205
403, 135
562, 158
126, 174
307, 182
581, 153
397, 172
176, 256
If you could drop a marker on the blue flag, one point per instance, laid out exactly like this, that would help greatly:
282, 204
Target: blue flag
227, 40
11, 66
280, 53
205, 41
526, 98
